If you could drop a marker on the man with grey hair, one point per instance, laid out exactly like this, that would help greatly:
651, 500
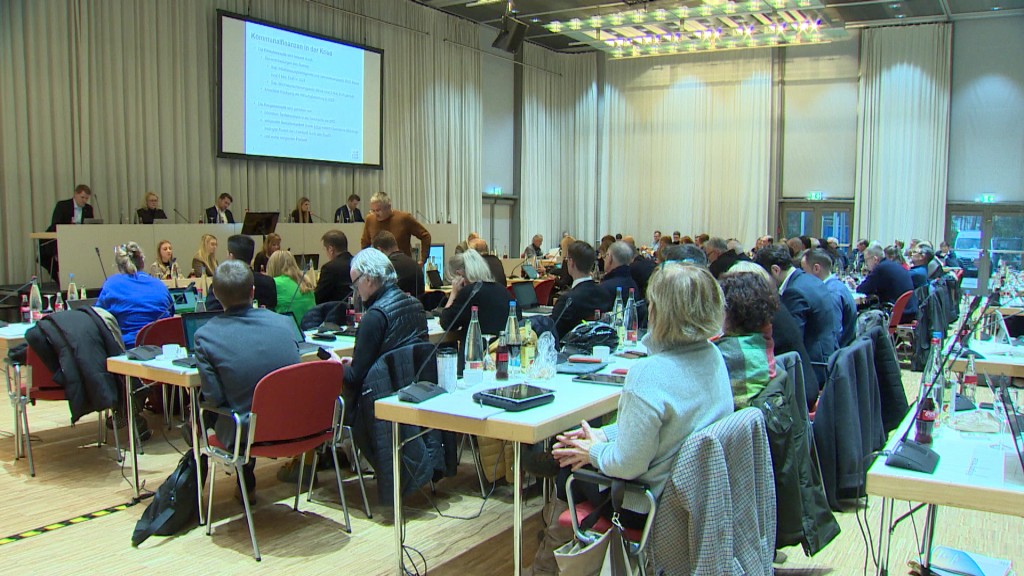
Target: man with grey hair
617, 275
401, 224
686, 253
392, 318
923, 265
887, 280
720, 257
235, 350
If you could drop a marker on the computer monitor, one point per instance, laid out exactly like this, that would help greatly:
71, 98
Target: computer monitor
437, 253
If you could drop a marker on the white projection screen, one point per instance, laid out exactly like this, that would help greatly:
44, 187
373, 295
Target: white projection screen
296, 96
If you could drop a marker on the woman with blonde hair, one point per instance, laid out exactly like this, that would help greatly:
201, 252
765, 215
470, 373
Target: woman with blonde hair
150, 210
165, 267
132, 296
294, 290
271, 244
204, 261
682, 387
302, 214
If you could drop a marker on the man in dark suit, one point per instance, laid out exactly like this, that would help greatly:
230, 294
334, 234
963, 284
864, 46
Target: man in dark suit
887, 280
720, 257
334, 284
807, 299
235, 350
71, 211
493, 262
818, 263
410, 275
219, 213
349, 212
617, 273
241, 248
579, 303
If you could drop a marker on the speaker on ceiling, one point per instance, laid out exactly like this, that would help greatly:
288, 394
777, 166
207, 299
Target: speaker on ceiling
511, 35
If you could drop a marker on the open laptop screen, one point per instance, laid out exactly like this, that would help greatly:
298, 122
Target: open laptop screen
193, 322
526, 296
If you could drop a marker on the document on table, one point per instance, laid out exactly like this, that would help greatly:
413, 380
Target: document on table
460, 403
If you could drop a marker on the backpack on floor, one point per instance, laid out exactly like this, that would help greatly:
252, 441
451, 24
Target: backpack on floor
175, 506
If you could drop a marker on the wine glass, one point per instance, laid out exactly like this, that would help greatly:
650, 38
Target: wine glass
49, 305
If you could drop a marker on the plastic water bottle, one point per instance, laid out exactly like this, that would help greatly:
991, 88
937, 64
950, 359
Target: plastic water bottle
631, 321
474, 371
514, 342
72, 288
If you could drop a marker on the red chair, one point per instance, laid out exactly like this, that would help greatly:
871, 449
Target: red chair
897, 312
902, 334
295, 409
25, 389
543, 289
164, 331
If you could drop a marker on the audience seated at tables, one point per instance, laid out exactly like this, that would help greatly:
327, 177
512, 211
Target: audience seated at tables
839, 260
464, 245
720, 257
472, 285
265, 291
334, 283
817, 263
271, 244
165, 266
132, 296
204, 261
492, 261
858, 255
641, 268
785, 333
602, 249
687, 253
924, 266
585, 296
682, 387
392, 318
294, 290
563, 281
410, 274
746, 345
887, 280
895, 254
947, 256
236, 349
617, 271
807, 300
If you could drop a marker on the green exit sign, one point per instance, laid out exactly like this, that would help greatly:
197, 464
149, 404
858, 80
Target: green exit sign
987, 198
815, 195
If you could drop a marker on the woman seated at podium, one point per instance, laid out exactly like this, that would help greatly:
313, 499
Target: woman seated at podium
302, 214
132, 296
682, 387
294, 290
150, 210
204, 261
165, 267
271, 244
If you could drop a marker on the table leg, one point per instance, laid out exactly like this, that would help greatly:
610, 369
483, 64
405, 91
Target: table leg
396, 471
193, 406
883, 537
929, 535
517, 509
130, 404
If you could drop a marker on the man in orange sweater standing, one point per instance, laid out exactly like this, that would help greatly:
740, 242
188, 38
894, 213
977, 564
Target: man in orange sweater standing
401, 224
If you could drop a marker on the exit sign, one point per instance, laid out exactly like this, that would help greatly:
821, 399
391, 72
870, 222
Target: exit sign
987, 198
815, 195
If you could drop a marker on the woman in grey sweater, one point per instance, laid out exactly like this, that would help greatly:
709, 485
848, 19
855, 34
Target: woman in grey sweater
682, 387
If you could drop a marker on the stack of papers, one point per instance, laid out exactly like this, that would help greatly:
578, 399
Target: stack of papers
952, 562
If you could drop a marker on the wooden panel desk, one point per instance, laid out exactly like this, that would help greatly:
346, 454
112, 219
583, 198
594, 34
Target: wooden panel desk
457, 412
970, 475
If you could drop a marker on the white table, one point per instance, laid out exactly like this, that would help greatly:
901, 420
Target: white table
970, 475
457, 412
12, 335
1001, 359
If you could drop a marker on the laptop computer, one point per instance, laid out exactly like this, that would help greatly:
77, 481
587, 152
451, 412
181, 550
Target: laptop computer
526, 298
192, 322
530, 272
81, 303
300, 340
434, 279
184, 299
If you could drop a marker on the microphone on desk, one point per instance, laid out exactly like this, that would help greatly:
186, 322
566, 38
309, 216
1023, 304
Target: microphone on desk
180, 215
100, 258
317, 216
419, 391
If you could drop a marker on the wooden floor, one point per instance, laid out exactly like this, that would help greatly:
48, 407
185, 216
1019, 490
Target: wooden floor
75, 479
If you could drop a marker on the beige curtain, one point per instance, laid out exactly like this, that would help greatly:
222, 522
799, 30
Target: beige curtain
903, 132
121, 95
686, 145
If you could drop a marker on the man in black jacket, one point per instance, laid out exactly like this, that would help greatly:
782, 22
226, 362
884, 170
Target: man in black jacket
219, 213
349, 212
410, 275
241, 248
334, 284
579, 303
74, 210
617, 272
719, 255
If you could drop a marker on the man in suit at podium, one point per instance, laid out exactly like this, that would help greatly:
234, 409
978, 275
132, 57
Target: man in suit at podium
219, 213
349, 212
74, 210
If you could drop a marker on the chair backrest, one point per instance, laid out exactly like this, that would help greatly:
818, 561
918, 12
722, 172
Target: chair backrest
297, 401
728, 521
42, 378
543, 290
163, 331
897, 310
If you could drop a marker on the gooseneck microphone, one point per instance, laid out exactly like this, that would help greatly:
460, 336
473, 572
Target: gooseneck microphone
418, 391
18, 290
100, 258
180, 215
317, 216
